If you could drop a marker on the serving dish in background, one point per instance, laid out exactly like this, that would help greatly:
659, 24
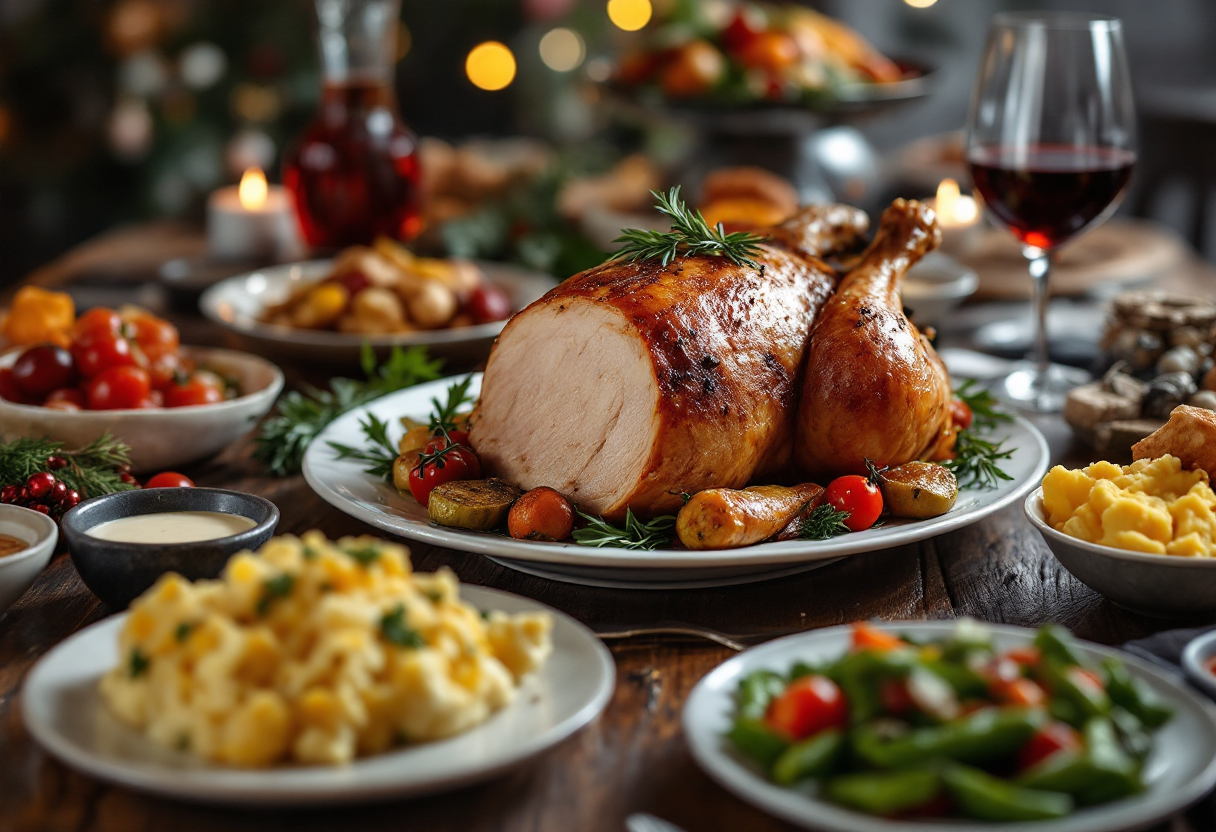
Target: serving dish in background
160, 438
238, 303
18, 570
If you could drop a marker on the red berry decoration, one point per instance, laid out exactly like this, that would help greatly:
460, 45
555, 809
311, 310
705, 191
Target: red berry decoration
9, 494
40, 484
42, 508
56, 462
58, 491
71, 499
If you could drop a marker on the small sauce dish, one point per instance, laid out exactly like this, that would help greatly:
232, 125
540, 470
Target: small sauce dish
118, 571
18, 570
1197, 660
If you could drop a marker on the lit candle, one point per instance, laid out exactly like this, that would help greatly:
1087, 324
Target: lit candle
252, 221
958, 214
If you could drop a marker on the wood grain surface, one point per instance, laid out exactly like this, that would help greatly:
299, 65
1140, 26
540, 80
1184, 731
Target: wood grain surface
634, 758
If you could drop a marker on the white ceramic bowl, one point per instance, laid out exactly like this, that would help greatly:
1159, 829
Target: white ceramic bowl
1161, 586
1196, 661
18, 571
238, 303
166, 437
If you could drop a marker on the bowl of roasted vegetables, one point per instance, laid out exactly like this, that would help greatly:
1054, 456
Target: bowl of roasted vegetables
869, 727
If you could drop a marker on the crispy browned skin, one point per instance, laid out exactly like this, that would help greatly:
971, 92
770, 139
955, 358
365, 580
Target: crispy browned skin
723, 518
1190, 435
633, 382
874, 387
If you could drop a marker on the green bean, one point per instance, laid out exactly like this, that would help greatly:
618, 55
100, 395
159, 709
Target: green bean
756, 691
1064, 682
983, 796
885, 792
814, 757
757, 740
983, 735
1057, 644
1134, 695
1099, 773
965, 681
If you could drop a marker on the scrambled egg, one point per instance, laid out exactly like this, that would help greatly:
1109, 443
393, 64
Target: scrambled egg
1152, 505
316, 652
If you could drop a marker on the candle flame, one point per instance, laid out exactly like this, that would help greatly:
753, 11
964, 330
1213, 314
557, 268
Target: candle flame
952, 205
253, 189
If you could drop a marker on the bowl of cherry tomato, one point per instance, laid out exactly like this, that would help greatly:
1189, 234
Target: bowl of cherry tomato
126, 373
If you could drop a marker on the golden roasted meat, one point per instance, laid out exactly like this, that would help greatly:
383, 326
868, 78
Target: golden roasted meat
634, 382
874, 388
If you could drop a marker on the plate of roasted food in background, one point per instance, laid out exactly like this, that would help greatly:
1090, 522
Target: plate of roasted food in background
705, 408
747, 55
316, 671
952, 725
124, 373
384, 295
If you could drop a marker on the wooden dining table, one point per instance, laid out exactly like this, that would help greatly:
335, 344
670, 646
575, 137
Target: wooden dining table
634, 757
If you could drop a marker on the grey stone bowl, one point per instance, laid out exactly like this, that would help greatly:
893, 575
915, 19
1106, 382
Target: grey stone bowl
118, 572
1160, 586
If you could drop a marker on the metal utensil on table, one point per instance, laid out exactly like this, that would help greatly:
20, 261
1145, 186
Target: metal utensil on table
643, 822
735, 641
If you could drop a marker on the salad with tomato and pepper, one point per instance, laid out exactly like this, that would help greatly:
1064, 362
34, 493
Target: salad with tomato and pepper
952, 727
115, 360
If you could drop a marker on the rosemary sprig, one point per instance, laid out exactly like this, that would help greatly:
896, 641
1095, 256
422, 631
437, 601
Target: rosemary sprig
823, 522
443, 417
976, 460
632, 534
92, 470
690, 236
380, 454
301, 415
983, 404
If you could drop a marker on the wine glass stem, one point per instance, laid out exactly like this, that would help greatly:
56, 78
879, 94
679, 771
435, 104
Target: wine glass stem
1040, 271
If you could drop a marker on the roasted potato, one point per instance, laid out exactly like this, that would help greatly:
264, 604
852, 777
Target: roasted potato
918, 490
723, 518
472, 504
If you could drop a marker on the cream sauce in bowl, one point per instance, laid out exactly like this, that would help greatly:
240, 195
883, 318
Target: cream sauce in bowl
172, 527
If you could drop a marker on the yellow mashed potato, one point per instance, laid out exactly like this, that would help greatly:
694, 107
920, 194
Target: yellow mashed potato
316, 652
1152, 505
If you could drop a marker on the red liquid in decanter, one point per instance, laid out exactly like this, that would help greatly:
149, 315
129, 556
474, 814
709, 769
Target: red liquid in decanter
354, 174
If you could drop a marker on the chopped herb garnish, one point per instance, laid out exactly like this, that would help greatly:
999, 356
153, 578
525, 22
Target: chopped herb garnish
633, 534
138, 664
396, 630
379, 455
823, 522
435, 595
183, 631
310, 553
274, 588
366, 555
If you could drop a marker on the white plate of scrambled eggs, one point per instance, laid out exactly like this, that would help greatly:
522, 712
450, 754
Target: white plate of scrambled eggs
316, 672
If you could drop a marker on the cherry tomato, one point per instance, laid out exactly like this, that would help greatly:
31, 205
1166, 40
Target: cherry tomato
960, 413
69, 395
743, 29
1051, 738
488, 303
770, 51
41, 369
166, 369
1026, 656
9, 391
1021, 691
859, 497
170, 479
118, 388
64, 405
895, 698
807, 706
101, 351
99, 321
192, 390
155, 336
458, 464
696, 68
637, 67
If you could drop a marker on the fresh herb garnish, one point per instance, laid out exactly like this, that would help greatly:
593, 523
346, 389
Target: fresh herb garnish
690, 236
365, 554
138, 664
823, 522
396, 630
976, 460
301, 415
632, 534
443, 417
183, 631
274, 588
93, 470
874, 474
380, 454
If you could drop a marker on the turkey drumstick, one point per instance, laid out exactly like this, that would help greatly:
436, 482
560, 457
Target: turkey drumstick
874, 388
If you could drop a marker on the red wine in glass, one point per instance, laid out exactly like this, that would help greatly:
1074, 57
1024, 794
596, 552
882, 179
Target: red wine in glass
1046, 194
354, 173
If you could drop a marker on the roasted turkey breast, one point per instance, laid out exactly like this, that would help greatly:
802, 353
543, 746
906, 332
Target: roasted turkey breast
634, 382
874, 388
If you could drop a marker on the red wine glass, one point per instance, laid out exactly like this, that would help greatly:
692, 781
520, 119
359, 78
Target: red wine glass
1051, 142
